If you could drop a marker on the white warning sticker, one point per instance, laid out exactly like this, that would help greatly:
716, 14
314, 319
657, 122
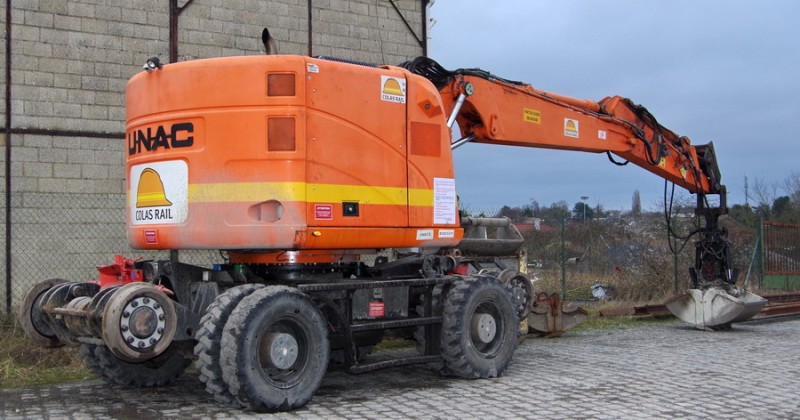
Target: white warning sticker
159, 193
447, 233
424, 234
444, 201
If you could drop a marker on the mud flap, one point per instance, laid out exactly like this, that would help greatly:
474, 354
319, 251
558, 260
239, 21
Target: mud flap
714, 308
550, 317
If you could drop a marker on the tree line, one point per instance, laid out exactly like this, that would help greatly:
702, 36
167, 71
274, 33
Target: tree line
779, 202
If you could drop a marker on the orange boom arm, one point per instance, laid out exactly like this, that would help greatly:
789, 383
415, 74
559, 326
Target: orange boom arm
498, 111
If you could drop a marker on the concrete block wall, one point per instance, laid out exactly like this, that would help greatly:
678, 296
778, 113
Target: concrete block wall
70, 62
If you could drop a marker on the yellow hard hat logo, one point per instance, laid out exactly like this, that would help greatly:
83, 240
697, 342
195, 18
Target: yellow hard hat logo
392, 87
150, 192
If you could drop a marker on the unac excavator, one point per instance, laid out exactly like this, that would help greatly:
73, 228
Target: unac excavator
294, 168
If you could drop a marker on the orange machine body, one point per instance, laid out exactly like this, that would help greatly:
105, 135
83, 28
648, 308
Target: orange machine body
287, 153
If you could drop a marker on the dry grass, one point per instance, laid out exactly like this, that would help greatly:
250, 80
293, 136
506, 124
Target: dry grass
23, 363
629, 289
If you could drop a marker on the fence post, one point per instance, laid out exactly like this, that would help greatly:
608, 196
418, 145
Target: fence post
761, 248
563, 260
675, 268
8, 156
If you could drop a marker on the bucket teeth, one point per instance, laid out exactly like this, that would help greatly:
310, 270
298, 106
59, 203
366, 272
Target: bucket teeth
714, 308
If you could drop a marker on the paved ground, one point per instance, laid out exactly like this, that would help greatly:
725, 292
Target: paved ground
656, 370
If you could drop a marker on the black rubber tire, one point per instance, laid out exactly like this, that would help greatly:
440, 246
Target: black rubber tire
209, 336
463, 354
163, 369
436, 299
274, 309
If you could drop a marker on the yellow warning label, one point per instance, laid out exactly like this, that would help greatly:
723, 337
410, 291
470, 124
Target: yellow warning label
663, 162
683, 172
532, 116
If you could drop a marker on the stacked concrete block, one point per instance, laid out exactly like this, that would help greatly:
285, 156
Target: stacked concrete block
70, 62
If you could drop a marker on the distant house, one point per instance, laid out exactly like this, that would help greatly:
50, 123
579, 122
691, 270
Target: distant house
530, 224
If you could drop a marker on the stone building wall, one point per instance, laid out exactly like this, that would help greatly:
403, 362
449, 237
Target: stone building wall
70, 62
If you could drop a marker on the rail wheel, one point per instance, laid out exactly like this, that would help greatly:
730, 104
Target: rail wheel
161, 370
479, 330
274, 349
209, 336
139, 322
521, 289
33, 322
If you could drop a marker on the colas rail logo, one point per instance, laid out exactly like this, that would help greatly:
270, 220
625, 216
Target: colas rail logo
571, 128
393, 89
151, 201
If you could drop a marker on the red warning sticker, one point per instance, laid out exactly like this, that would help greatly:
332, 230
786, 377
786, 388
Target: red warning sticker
323, 212
376, 309
151, 237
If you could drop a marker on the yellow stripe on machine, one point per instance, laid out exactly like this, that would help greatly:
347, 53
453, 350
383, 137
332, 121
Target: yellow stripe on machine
301, 191
420, 197
332, 193
247, 192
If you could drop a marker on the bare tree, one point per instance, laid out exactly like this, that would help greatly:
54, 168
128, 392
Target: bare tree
764, 194
792, 186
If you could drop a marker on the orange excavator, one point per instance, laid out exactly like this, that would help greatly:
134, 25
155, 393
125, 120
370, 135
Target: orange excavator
296, 169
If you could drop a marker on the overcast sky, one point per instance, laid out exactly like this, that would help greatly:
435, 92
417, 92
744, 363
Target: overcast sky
726, 71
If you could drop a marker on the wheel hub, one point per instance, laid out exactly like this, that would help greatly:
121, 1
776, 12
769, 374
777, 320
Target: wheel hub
484, 328
142, 322
280, 350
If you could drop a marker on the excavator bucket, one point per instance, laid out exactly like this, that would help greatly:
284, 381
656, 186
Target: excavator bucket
550, 317
714, 308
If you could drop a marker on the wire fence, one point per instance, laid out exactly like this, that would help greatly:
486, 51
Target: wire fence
626, 254
781, 256
781, 248
58, 235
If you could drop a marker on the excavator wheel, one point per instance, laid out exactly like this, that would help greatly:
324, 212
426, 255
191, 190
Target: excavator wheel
419, 332
33, 322
161, 370
274, 350
209, 336
479, 330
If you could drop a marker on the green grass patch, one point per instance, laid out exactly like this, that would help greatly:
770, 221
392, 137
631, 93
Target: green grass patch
394, 343
24, 364
596, 322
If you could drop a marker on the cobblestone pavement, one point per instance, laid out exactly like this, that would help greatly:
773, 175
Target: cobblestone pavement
654, 370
